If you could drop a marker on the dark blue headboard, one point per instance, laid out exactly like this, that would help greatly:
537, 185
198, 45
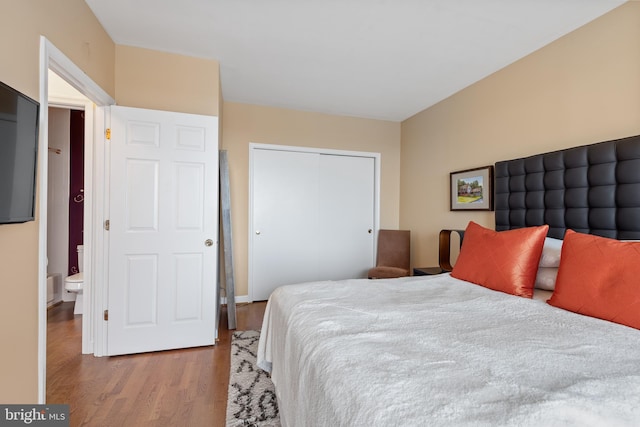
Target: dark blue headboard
591, 189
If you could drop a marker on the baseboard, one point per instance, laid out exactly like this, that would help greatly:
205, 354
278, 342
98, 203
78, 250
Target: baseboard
54, 304
239, 299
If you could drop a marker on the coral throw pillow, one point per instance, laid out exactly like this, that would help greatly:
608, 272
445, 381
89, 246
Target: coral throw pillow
505, 261
599, 277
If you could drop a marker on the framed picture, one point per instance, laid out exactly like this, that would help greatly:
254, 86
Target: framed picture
472, 189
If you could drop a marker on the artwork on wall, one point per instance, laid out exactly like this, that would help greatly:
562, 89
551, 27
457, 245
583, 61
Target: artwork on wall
472, 189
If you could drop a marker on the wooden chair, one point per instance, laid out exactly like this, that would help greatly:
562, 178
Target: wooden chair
444, 255
393, 256
444, 249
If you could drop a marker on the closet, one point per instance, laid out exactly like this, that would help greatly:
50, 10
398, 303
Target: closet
313, 216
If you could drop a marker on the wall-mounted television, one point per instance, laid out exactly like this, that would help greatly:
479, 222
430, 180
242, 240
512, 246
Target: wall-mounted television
19, 117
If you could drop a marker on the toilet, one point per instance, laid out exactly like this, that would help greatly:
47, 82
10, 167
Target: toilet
75, 282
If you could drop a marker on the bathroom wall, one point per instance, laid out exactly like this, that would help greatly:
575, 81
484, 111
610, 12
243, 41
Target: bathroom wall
76, 186
58, 192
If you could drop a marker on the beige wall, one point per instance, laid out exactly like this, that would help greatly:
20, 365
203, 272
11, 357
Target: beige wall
134, 77
164, 81
243, 124
581, 89
72, 28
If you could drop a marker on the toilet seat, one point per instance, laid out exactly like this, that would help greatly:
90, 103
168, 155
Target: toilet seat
74, 282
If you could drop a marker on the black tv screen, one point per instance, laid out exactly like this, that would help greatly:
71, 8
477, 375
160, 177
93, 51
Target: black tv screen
19, 116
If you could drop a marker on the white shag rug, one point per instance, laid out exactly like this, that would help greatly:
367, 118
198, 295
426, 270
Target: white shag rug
251, 400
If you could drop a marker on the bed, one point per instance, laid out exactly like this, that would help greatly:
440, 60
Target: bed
445, 350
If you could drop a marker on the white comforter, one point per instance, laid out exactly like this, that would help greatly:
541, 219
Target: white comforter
437, 351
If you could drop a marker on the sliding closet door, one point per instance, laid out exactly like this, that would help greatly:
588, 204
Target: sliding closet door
312, 218
346, 193
285, 220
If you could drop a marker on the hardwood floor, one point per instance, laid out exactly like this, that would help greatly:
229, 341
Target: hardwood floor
171, 388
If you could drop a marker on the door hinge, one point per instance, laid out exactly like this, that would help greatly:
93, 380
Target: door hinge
106, 225
106, 315
107, 133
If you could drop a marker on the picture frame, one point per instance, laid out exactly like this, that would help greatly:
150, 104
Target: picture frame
472, 189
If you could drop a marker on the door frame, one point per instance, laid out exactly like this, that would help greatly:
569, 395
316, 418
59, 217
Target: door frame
52, 58
258, 146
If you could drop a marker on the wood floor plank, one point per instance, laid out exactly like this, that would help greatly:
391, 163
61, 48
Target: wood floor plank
186, 387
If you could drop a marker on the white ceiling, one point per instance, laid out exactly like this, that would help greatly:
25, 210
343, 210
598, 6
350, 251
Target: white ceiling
61, 93
382, 59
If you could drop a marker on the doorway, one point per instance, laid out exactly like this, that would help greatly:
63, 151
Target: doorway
52, 59
65, 198
70, 136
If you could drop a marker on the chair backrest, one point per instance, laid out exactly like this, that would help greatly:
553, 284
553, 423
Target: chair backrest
394, 248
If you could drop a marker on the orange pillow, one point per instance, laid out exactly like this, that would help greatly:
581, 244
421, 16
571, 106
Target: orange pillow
505, 261
599, 277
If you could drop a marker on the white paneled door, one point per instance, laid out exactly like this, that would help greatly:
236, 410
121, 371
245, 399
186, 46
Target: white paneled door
163, 200
313, 217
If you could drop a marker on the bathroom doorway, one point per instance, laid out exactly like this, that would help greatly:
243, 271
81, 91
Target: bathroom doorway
93, 99
65, 208
65, 189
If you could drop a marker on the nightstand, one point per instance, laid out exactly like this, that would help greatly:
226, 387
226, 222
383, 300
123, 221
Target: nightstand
427, 271
444, 254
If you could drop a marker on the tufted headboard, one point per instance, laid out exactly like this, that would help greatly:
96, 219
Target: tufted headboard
591, 189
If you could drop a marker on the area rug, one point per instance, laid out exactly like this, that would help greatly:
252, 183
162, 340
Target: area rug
251, 400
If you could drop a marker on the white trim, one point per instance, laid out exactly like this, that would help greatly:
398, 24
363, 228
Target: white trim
100, 238
87, 238
239, 299
42, 225
257, 146
52, 58
72, 74
69, 103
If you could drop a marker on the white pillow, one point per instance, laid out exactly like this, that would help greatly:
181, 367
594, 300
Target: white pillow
551, 252
546, 278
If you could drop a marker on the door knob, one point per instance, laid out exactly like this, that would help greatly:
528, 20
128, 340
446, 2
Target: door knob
208, 242
257, 231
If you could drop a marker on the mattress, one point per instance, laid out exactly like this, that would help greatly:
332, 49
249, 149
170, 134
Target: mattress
438, 351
